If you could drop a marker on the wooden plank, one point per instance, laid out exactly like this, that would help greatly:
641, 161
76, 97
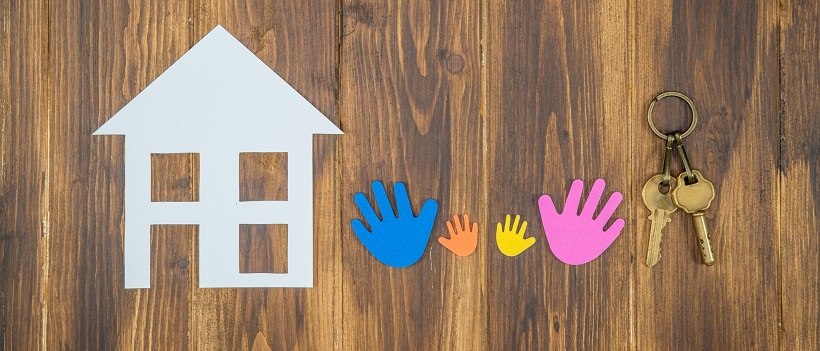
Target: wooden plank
557, 111
298, 39
102, 55
410, 103
162, 311
23, 174
724, 56
800, 174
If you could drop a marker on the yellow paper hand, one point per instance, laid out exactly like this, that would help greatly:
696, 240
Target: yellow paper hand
510, 240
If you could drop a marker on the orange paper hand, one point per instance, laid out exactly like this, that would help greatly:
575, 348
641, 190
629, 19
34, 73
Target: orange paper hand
463, 241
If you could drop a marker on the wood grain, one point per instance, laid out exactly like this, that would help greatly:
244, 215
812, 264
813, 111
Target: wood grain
298, 39
263, 248
800, 174
103, 54
723, 56
24, 112
410, 110
556, 83
263, 176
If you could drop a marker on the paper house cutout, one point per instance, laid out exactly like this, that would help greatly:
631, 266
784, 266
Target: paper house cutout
219, 100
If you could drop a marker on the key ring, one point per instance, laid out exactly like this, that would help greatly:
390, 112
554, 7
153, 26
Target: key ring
684, 98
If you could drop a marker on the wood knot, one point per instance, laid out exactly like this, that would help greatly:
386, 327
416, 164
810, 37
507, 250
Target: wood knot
184, 183
182, 263
359, 12
455, 64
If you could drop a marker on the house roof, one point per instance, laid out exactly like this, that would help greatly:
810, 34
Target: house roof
218, 89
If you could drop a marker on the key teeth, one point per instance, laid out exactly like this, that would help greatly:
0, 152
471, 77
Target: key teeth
649, 261
651, 264
660, 251
658, 218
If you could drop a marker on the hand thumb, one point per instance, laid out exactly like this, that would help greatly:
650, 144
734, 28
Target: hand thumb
445, 242
528, 242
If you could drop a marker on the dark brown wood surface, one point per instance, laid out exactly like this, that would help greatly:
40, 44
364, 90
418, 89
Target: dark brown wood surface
556, 75
724, 56
410, 106
299, 40
24, 169
800, 175
93, 72
482, 105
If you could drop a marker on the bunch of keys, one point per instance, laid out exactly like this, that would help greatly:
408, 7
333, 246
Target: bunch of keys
690, 192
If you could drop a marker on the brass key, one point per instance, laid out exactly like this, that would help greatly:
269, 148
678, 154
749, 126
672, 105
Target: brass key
694, 198
661, 206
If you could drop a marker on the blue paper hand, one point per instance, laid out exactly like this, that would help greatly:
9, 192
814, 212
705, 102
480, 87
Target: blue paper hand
397, 241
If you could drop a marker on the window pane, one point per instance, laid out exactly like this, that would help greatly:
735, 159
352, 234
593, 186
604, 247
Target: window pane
263, 248
263, 176
174, 177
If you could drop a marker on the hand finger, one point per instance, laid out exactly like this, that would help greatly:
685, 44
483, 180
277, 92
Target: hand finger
501, 240
593, 199
547, 209
610, 207
385, 208
523, 228
402, 201
428, 211
450, 229
574, 197
515, 224
459, 228
475, 229
466, 222
507, 224
365, 236
366, 209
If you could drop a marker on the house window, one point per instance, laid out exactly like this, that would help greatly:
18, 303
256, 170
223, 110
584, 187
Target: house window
174, 177
263, 248
263, 176
170, 253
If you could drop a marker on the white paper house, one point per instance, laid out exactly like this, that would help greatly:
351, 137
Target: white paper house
219, 100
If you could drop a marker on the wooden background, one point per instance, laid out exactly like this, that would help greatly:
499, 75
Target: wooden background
483, 105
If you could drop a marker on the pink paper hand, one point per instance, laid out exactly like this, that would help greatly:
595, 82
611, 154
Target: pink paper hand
577, 239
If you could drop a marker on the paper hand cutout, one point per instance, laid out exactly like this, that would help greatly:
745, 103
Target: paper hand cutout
510, 240
577, 239
463, 240
397, 241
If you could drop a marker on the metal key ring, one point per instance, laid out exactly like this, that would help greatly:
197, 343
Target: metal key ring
684, 98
